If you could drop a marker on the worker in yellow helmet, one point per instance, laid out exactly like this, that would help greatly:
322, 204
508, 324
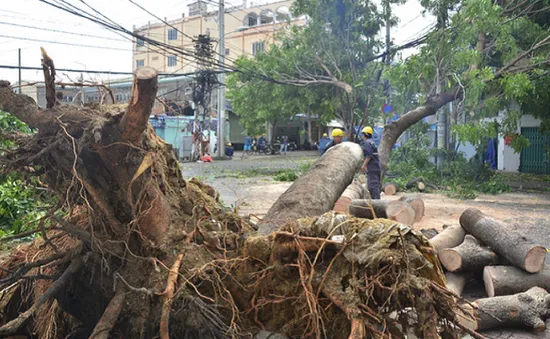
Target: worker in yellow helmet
371, 165
337, 136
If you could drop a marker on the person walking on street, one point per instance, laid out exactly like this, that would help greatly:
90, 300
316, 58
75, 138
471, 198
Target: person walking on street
337, 136
371, 165
284, 144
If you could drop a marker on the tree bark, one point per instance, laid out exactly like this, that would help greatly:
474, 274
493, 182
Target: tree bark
417, 204
505, 280
317, 191
393, 210
143, 96
353, 191
469, 256
520, 251
390, 188
393, 131
452, 236
527, 309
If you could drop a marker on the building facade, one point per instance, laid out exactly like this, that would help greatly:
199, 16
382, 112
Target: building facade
248, 31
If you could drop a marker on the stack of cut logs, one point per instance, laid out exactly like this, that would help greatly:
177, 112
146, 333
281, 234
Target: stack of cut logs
513, 269
512, 266
356, 201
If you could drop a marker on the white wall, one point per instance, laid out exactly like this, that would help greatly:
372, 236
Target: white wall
508, 160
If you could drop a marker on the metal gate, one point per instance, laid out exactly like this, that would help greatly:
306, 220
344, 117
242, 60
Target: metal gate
534, 159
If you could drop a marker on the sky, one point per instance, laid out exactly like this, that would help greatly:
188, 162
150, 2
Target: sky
105, 50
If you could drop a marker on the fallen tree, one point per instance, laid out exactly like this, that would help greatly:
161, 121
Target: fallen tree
520, 251
329, 177
416, 203
141, 252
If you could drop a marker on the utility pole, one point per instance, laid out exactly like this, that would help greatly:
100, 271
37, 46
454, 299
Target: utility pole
19, 50
221, 86
388, 48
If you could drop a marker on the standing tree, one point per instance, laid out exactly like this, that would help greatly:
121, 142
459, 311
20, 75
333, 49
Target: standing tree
483, 55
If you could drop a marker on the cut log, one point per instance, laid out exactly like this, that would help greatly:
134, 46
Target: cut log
417, 204
315, 192
451, 237
456, 282
421, 186
469, 256
353, 191
390, 188
519, 250
393, 210
505, 280
527, 309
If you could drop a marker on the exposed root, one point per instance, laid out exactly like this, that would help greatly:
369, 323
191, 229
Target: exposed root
13, 326
167, 298
110, 316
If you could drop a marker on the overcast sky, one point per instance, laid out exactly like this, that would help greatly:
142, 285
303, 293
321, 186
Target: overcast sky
112, 52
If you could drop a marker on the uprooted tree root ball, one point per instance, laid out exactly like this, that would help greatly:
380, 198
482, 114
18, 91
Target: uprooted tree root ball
143, 253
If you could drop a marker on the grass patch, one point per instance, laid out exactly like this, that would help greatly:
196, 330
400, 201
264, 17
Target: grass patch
456, 176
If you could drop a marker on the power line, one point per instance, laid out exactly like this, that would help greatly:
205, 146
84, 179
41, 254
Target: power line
29, 68
64, 43
59, 31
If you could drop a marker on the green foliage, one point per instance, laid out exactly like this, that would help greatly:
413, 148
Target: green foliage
286, 175
461, 178
22, 202
292, 174
479, 46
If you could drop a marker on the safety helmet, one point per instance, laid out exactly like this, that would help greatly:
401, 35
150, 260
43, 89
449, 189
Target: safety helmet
337, 132
367, 130
228, 144
325, 135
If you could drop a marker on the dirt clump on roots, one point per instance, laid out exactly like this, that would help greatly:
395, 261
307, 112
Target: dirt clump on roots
133, 250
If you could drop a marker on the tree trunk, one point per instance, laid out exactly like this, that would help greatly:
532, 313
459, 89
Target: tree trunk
505, 280
323, 184
393, 131
417, 204
451, 237
528, 309
353, 191
520, 251
393, 210
390, 188
470, 256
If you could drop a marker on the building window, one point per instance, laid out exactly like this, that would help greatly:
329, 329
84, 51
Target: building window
251, 19
140, 42
227, 51
140, 63
172, 34
172, 60
258, 47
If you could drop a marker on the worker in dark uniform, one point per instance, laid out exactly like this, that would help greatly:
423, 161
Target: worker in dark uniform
337, 136
371, 165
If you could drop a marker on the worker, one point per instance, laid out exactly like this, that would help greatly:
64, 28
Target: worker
323, 142
337, 136
371, 164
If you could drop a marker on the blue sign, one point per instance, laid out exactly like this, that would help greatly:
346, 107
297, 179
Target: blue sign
387, 109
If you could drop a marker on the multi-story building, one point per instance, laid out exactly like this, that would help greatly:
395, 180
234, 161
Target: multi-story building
248, 31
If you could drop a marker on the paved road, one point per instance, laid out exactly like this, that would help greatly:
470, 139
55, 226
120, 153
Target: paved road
248, 183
